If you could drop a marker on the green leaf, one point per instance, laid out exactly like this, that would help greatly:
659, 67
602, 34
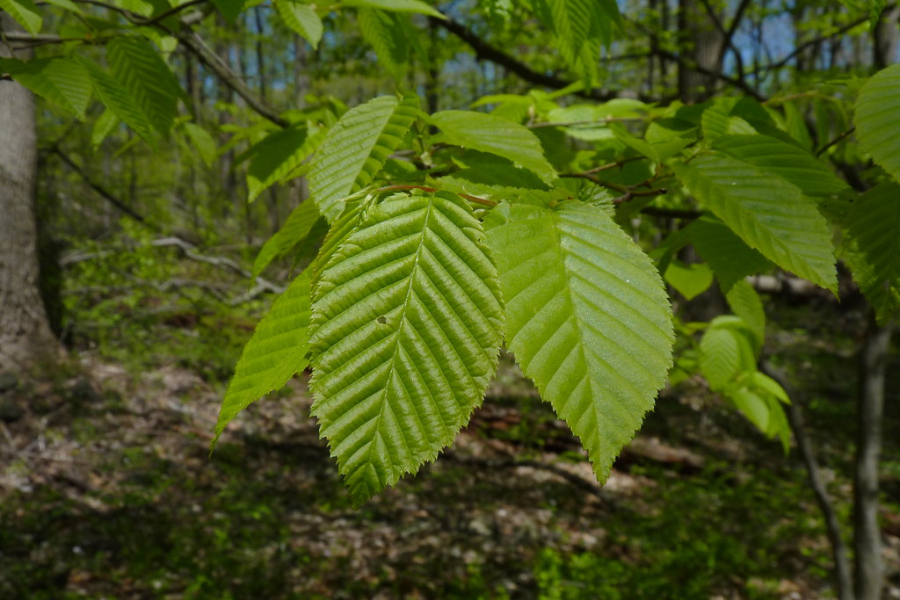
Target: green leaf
495, 135
203, 143
230, 9
796, 125
411, 6
873, 226
147, 79
352, 215
753, 407
587, 318
572, 24
25, 13
144, 8
405, 333
746, 304
689, 280
273, 355
730, 258
877, 125
778, 424
721, 357
67, 5
762, 382
638, 145
62, 81
103, 127
770, 155
382, 31
302, 19
717, 121
876, 7
355, 149
277, 155
295, 229
119, 102
767, 212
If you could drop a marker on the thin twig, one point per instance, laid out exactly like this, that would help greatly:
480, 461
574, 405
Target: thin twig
594, 122
100, 189
631, 194
431, 190
804, 445
835, 141
805, 45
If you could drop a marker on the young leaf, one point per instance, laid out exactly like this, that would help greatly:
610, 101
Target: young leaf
62, 81
877, 126
587, 318
295, 229
762, 382
277, 155
67, 5
689, 280
147, 79
355, 149
25, 13
720, 357
230, 9
119, 102
413, 6
796, 125
273, 355
767, 212
727, 254
785, 160
103, 127
717, 121
405, 332
753, 407
202, 142
745, 303
873, 226
495, 135
572, 24
302, 19
382, 31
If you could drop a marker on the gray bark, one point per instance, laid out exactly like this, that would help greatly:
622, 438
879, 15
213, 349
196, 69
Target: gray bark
25, 336
703, 46
887, 32
869, 564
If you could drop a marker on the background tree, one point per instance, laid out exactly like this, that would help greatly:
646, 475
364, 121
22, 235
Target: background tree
25, 336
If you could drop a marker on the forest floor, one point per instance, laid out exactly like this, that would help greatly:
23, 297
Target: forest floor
108, 490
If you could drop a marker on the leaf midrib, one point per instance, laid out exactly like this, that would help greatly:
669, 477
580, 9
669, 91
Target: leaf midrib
403, 323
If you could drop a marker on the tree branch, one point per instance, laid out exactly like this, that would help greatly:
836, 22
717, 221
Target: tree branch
485, 51
733, 81
804, 446
805, 45
101, 191
193, 42
728, 41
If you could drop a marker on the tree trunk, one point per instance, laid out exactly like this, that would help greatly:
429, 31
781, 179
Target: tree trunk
703, 47
25, 336
886, 38
870, 411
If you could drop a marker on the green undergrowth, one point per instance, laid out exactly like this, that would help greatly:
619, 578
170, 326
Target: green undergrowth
268, 519
267, 515
144, 306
